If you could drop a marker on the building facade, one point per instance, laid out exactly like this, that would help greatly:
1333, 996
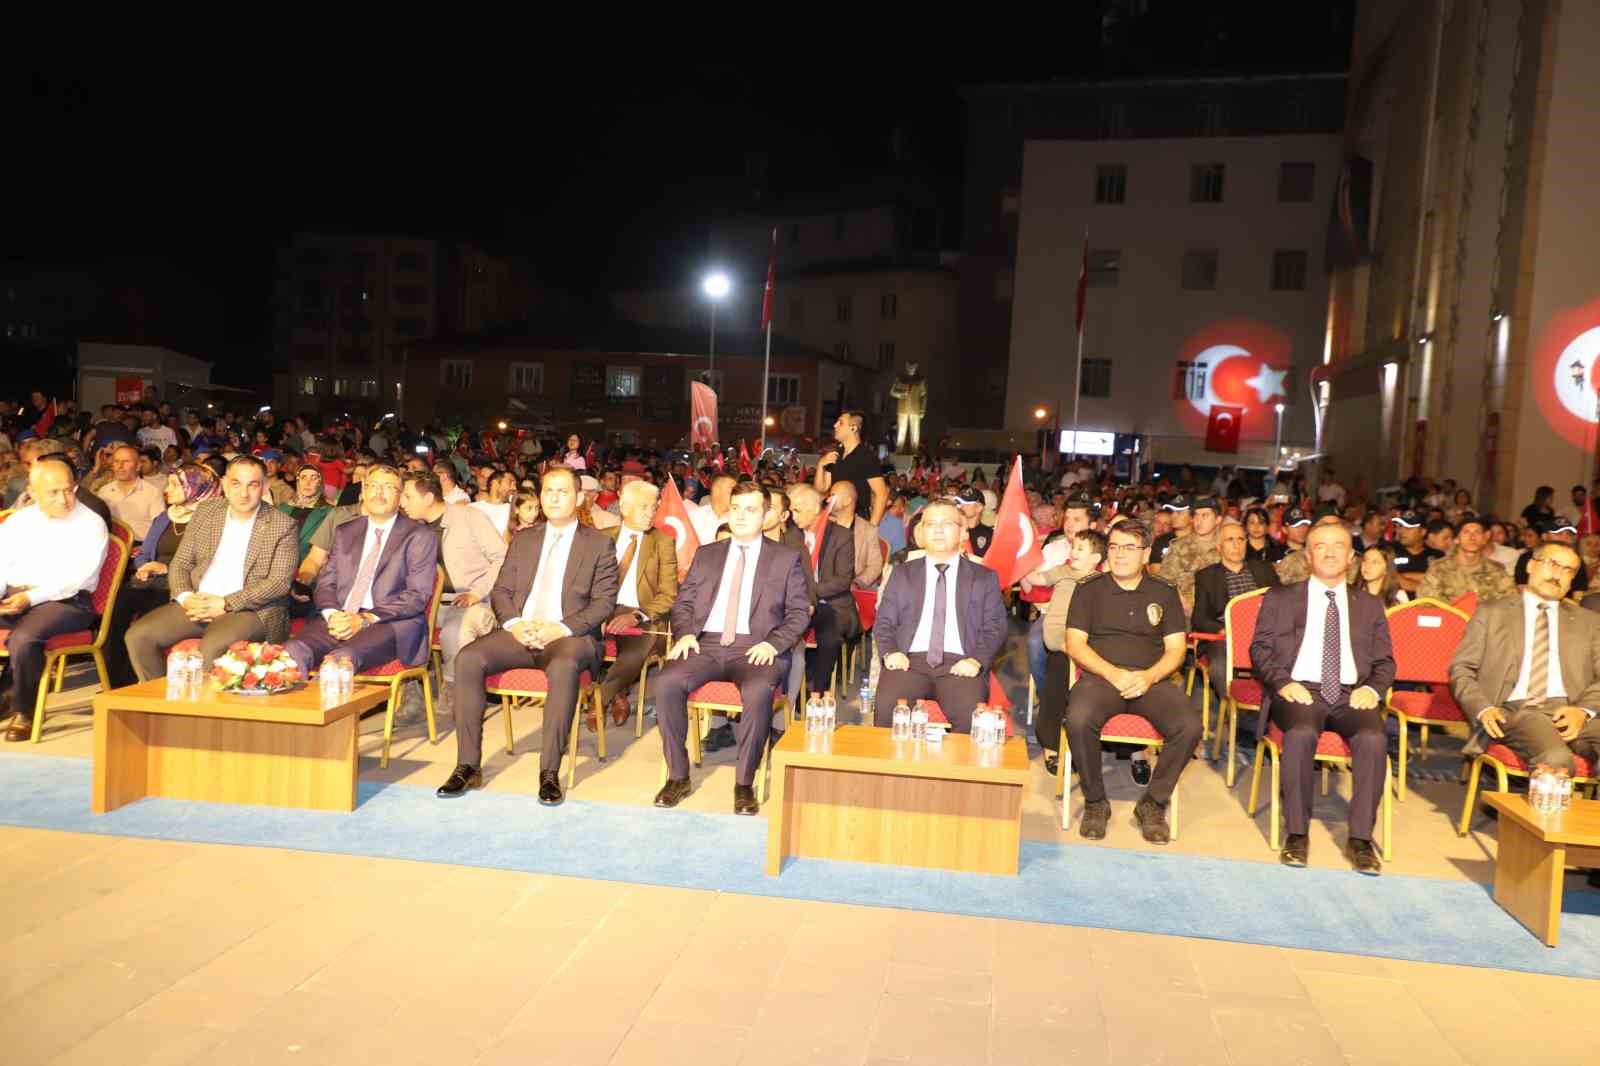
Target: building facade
1461, 335
1205, 291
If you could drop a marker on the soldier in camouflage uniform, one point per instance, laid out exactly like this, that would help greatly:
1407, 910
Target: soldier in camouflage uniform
1296, 565
1189, 555
1466, 569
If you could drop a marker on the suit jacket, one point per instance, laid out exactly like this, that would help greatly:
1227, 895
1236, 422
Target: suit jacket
588, 587
869, 553
980, 612
269, 562
1489, 658
836, 574
781, 611
471, 549
657, 564
402, 585
1281, 627
1211, 592
791, 536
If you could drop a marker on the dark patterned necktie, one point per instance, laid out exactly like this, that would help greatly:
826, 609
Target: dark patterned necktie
1539, 668
1330, 651
936, 631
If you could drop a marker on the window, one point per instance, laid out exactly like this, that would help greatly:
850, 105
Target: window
456, 373
783, 389
1205, 183
889, 305
341, 386
797, 312
886, 353
1111, 183
622, 382
844, 308
1096, 378
1190, 381
408, 295
842, 349
310, 385
1200, 268
527, 377
408, 261
369, 388
1288, 270
1296, 182
409, 327
1105, 267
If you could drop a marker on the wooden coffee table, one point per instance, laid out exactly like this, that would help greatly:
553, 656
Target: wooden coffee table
1535, 850
281, 751
856, 794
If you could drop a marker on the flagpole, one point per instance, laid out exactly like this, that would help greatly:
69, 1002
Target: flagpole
1077, 377
766, 364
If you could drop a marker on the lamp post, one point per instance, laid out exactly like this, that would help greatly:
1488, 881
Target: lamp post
1277, 443
716, 288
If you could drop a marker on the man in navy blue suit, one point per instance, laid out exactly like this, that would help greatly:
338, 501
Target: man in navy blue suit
742, 606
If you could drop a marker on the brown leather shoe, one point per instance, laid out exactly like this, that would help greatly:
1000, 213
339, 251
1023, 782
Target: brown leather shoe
619, 709
588, 720
20, 729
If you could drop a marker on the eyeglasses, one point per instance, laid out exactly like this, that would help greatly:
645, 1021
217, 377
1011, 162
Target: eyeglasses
1134, 547
1570, 571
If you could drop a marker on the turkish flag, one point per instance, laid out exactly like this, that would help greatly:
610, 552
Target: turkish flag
1222, 428
672, 518
746, 467
766, 295
1015, 550
702, 414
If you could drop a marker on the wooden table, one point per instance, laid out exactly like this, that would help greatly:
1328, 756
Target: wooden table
856, 794
1535, 850
282, 751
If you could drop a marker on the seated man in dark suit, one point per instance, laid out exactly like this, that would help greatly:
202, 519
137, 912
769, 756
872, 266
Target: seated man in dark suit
1218, 583
1322, 650
373, 594
835, 618
557, 587
940, 623
1527, 671
743, 604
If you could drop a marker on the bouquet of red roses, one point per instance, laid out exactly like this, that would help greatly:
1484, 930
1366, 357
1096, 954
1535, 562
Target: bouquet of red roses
254, 669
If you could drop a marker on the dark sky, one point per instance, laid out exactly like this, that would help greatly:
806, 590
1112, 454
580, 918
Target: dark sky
592, 167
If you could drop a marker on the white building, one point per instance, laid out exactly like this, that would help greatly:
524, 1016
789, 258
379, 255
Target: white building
1206, 288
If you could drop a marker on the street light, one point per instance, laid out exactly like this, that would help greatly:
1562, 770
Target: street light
716, 287
1040, 413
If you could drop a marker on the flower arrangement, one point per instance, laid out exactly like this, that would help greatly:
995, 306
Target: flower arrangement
254, 669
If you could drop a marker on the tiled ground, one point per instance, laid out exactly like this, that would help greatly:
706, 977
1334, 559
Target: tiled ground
116, 950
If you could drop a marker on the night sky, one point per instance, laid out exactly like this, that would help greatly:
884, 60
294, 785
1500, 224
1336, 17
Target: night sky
598, 170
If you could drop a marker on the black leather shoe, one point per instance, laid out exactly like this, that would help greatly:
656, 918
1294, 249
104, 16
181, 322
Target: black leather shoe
674, 792
719, 738
20, 729
460, 780
1364, 857
1140, 768
550, 789
1296, 846
1096, 816
1151, 818
1052, 763
744, 800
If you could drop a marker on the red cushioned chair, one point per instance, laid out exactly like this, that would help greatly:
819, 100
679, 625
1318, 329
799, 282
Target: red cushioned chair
527, 686
658, 660
1507, 764
719, 697
1425, 634
1331, 751
1244, 693
997, 699
857, 649
1119, 729
59, 648
809, 642
394, 673
1199, 666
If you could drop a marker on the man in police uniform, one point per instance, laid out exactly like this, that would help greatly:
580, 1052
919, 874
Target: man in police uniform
969, 501
1177, 509
1412, 556
1194, 552
1126, 632
1295, 566
1467, 569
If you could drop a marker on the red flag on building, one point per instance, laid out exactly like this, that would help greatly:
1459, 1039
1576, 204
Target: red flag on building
746, 467
1222, 428
702, 414
1083, 281
1014, 550
818, 528
672, 518
766, 296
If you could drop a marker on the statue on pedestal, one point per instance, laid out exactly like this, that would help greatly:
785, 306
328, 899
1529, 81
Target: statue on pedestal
910, 392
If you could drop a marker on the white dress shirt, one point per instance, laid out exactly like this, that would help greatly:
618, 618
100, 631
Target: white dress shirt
55, 557
628, 583
952, 619
1308, 664
719, 606
553, 555
225, 574
1557, 688
499, 513
705, 522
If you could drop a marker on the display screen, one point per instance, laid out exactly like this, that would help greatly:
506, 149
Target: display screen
1090, 442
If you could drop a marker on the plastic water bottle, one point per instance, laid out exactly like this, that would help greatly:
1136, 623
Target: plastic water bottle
901, 729
830, 714
919, 721
867, 709
346, 673
194, 675
811, 714
1539, 789
177, 675
1564, 790
328, 682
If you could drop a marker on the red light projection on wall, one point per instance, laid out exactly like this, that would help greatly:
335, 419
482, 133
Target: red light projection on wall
1238, 364
1565, 375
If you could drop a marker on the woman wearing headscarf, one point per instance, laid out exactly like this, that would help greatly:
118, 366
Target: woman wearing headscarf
309, 506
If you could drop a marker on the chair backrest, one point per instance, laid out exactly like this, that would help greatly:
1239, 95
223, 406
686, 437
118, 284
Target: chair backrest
5, 514
997, 694
438, 594
121, 531
1425, 634
1467, 603
110, 583
1239, 624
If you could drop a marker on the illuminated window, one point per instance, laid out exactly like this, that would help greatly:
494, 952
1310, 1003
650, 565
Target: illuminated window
622, 382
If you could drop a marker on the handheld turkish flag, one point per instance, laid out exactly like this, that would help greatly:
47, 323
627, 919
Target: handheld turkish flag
766, 295
746, 467
716, 461
1014, 550
818, 528
46, 419
589, 458
672, 518
1222, 429
702, 414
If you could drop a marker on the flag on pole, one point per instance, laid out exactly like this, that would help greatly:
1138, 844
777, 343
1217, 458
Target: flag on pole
702, 414
716, 460
672, 518
746, 467
1083, 282
766, 295
1014, 550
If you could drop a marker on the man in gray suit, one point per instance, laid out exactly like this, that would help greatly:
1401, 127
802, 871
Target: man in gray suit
1527, 671
230, 578
557, 587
